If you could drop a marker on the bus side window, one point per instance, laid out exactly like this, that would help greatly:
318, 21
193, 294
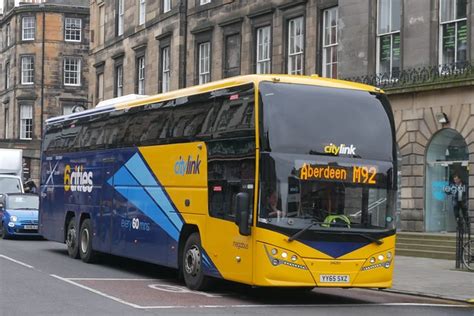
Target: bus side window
236, 113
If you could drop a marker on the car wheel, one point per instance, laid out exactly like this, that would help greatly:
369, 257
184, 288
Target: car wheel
85, 242
71, 239
192, 264
3, 232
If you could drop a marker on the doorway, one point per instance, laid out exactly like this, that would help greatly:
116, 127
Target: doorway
447, 156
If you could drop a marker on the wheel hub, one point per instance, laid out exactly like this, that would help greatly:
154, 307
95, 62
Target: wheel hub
84, 240
71, 238
192, 261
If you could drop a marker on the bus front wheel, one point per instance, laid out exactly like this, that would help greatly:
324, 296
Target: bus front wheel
71, 239
85, 242
192, 264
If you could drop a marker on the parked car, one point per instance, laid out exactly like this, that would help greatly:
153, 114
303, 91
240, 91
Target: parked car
18, 214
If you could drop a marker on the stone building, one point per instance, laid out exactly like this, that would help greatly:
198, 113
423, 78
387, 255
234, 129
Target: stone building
420, 52
43, 67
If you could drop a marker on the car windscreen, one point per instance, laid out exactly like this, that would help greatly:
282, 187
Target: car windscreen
23, 202
315, 120
10, 185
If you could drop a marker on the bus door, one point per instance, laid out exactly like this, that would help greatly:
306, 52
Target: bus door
230, 251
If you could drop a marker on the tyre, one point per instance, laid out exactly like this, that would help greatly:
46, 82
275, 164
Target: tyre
71, 239
85, 242
3, 232
192, 264
468, 255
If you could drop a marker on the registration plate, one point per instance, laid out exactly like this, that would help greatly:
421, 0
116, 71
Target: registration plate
30, 227
333, 278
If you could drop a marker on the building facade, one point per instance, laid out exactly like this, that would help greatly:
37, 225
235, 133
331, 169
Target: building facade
44, 73
420, 52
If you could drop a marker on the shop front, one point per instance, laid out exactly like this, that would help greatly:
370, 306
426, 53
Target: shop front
447, 157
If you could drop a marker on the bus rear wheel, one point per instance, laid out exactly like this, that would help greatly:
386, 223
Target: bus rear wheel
85, 242
71, 239
192, 264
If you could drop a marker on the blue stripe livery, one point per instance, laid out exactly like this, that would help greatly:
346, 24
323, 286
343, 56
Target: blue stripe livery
135, 183
335, 249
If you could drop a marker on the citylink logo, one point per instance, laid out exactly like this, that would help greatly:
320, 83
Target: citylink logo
78, 180
340, 150
190, 166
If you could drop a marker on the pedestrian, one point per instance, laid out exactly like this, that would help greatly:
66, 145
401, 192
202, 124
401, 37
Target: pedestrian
458, 193
30, 186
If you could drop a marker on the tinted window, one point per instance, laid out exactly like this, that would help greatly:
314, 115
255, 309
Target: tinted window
218, 114
190, 115
306, 119
235, 116
231, 170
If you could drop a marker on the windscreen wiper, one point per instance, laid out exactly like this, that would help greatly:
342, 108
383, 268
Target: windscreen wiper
299, 233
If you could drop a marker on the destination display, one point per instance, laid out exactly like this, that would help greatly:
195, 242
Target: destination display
360, 174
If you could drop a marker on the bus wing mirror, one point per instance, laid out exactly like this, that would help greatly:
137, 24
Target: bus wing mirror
242, 215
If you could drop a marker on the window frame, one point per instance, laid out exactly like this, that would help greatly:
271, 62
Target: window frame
30, 28
120, 17
78, 71
7, 121
295, 55
141, 74
7, 75
24, 132
118, 91
166, 6
100, 87
101, 24
165, 66
73, 30
264, 61
204, 2
456, 21
232, 31
8, 41
30, 72
329, 46
141, 12
204, 75
392, 35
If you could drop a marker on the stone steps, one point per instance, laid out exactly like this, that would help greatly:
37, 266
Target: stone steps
426, 245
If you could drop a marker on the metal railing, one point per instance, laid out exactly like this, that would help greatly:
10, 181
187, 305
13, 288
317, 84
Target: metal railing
418, 76
464, 244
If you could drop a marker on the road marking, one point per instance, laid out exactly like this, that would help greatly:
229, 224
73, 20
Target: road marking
96, 291
71, 281
110, 279
179, 290
16, 261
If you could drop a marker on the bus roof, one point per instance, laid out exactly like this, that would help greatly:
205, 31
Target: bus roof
220, 84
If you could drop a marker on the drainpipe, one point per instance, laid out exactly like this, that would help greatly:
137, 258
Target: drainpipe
42, 70
183, 49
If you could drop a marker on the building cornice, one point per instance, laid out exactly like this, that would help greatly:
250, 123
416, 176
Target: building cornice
263, 11
52, 8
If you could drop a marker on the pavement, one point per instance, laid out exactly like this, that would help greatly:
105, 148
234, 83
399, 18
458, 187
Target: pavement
432, 278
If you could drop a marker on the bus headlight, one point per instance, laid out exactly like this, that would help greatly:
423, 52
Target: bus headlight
294, 258
274, 251
13, 218
381, 257
284, 255
389, 255
372, 260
